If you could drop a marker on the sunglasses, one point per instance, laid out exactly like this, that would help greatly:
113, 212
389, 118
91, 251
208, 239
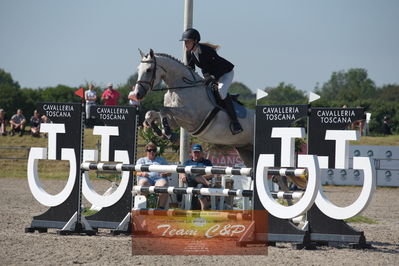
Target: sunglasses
151, 150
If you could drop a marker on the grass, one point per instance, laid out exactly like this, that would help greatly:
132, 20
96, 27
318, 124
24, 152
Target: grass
87, 212
361, 219
59, 169
392, 140
16, 168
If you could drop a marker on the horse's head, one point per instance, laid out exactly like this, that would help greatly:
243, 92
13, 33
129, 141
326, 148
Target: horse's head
149, 74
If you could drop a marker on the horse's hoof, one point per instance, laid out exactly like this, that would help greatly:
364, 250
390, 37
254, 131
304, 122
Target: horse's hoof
166, 131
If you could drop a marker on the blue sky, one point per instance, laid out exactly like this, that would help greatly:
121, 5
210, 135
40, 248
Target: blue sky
47, 42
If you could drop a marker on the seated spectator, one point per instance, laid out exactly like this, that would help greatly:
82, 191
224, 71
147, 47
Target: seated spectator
35, 121
153, 178
18, 122
45, 120
3, 123
198, 180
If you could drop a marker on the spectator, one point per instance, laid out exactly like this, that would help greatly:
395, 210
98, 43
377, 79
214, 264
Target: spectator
386, 127
110, 96
198, 180
35, 122
3, 123
45, 120
359, 124
132, 98
18, 122
153, 178
90, 97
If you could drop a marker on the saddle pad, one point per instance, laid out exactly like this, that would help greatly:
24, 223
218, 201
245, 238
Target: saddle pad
241, 111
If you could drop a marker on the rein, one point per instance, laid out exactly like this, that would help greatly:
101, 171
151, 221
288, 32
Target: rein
151, 82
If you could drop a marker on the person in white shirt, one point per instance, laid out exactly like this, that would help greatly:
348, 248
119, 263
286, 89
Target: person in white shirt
90, 97
132, 98
153, 178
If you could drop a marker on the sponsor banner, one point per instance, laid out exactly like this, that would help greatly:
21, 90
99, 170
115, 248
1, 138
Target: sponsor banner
228, 158
180, 232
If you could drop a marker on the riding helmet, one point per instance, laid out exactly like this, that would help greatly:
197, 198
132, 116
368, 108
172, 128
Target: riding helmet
191, 34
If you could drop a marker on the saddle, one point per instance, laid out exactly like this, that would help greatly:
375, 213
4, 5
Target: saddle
214, 97
217, 102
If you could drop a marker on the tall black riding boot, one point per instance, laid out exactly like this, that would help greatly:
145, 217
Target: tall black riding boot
235, 126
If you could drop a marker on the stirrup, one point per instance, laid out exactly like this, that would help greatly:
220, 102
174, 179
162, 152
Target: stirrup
235, 128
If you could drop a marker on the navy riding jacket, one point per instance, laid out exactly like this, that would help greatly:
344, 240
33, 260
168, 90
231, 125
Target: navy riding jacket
209, 61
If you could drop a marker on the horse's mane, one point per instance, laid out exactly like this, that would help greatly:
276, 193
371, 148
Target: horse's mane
171, 57
176, 60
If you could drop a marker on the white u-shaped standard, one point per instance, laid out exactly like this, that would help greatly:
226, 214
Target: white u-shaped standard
369, 186
108, 200
35, 185
304, 204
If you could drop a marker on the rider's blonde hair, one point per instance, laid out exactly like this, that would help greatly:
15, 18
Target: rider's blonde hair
213, 46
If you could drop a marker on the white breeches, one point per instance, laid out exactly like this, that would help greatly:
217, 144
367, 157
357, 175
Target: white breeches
88, 105
224, 84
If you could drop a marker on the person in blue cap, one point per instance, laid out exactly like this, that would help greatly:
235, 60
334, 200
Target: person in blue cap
192, 180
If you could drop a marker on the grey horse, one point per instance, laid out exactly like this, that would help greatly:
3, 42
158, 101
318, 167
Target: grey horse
187, 104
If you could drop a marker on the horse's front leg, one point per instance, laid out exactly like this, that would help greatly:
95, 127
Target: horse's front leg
153, 118
168, 123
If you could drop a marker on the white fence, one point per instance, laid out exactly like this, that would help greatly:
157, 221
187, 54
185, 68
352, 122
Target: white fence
386, 161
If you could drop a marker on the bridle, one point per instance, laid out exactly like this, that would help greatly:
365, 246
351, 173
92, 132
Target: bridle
153, 76
154, 73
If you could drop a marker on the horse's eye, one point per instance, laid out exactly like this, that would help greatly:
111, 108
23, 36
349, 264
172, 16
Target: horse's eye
149, 70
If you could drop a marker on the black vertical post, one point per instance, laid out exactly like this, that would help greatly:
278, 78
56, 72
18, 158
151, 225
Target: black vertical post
324, 229
70, 115
267, 118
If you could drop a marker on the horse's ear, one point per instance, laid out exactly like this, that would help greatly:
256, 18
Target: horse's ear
141, 53
151, 53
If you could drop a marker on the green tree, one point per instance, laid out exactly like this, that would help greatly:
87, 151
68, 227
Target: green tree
348, 86
58, 94
247, 97
11, 97
32, 97
284, 94
389, 93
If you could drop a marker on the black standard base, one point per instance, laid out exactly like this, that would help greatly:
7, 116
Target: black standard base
281, 230
127, 231
33, 229
270, 230
77, 229
327, 231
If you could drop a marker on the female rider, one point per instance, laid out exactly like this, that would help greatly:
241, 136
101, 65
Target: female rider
212, 65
